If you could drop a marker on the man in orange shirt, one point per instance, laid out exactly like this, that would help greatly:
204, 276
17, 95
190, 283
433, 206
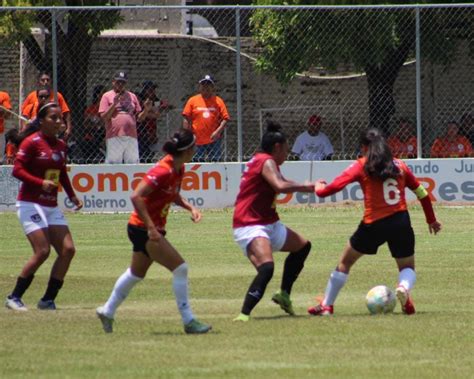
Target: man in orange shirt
453, 145
5, 103
206, 114
403, 142
44, 80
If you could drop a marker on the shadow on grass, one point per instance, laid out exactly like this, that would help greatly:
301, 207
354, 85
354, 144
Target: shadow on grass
177, 334
264, 318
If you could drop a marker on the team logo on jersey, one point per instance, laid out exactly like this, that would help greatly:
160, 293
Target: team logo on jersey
460, 147
43, 155
410, 148
56, 157
36, 218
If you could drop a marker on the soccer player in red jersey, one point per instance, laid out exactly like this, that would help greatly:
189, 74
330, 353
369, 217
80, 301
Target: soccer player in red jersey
256, 224
41, 166
152, 199
383, 180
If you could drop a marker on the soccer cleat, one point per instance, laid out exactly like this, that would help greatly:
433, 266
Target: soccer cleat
15, 304
242, 318
283, 300
405, 300
196, 327
321, 310
107, 322
46, 305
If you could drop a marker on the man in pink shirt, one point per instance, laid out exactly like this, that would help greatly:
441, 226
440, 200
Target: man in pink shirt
120, 110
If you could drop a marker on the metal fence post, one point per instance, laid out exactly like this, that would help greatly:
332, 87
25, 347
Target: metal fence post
54, 57
238, 80
418, 86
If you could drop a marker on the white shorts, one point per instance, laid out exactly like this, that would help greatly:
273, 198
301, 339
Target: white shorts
34, 216
275, 232
122, 149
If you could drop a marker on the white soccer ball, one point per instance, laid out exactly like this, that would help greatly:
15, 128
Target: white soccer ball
380, 299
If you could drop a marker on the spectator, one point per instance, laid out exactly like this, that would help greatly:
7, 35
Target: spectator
467, 127
313, 145
44, 80
91, 140
147, 132
4, 103
121, 110
31, 110
11, 139
453, 145
403, 141
206, 114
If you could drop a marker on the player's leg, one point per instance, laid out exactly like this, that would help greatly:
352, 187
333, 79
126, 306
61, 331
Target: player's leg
166, 255
299, 248
402, 247
61, 239
259, 252
35, 225
337, 280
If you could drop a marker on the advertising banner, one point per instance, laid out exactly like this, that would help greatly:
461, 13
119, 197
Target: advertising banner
107, 188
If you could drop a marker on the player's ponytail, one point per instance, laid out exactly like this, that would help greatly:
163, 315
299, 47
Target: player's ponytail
33, 126
181, 140
380, 162
272, 136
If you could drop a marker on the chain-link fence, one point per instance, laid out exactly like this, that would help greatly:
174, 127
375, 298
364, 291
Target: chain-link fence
325, 73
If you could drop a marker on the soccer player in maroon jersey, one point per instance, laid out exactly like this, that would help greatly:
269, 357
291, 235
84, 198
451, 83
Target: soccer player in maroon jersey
41, 166
383, 180
256, 224
152, 199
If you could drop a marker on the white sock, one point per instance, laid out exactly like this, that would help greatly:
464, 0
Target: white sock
407, 278
335, 283
180, 288
122, 287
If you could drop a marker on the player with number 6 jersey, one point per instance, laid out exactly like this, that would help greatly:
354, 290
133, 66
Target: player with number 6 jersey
383, 180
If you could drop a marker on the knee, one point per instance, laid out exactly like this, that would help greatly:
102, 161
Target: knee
42, 253
68, 252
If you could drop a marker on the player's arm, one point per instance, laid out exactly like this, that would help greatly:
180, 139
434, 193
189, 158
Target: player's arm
349, 175
183, 203
20, 170
279, 184
143, 190
422, 194
66, 183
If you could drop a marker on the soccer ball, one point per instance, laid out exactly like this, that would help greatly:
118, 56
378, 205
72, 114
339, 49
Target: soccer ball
380, 299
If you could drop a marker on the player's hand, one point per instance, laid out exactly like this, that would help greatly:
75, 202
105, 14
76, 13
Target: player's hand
434, 227
319, 185
215, 135
48, 185
77, 202
196, 215
154, 235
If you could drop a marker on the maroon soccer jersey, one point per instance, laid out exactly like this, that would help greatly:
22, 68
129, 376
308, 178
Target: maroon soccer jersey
255, 203
41, 157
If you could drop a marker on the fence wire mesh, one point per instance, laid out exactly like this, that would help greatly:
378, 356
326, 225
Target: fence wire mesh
324, 73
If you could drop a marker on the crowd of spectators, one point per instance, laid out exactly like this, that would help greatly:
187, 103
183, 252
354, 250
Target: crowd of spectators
120, 126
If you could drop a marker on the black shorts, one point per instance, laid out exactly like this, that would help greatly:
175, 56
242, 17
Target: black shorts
396, 230
139, 237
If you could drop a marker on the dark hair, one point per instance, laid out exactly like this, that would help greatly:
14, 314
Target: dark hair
272, 136
380, 162
181, 140
41, 73
96, 93
12, 136
34, 126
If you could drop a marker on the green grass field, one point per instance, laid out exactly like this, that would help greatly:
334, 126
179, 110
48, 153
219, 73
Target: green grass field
437, 342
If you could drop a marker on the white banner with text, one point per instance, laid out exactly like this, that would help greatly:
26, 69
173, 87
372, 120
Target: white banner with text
107, 188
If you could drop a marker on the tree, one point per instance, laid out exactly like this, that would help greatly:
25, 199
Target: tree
76, 32
375, 41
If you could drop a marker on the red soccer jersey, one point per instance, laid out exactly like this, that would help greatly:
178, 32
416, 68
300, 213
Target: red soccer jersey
255, 203
381, 198
40, 157
166, 182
